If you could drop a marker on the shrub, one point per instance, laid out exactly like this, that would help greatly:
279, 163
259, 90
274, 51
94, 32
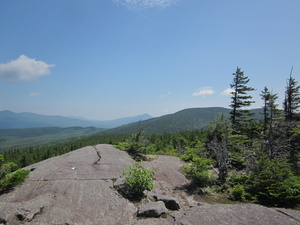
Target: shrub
190, 153
237, 193
198, 172
9, 176
124, 146
236, 178
274, 183
138, 180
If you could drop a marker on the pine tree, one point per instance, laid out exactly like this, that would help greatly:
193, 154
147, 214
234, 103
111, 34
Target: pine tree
292, 98
270, 109
240, 99
270, 112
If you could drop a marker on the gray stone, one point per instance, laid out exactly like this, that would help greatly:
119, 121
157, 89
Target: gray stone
55, 193
152, 209
78, 188
234, 214
119, 182
170, 202
153, 221
169, 180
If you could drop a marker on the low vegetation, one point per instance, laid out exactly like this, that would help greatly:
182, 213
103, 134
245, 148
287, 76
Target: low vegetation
10, 176
137, 181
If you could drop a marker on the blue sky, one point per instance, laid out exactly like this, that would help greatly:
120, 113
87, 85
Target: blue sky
106, 59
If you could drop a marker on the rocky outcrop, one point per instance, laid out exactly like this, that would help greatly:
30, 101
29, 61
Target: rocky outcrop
152, 209
169, 201
80, 188
75, 188
235, 214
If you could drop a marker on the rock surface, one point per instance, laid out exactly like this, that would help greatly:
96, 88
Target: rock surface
170, 202
235, 214
78, 188
73, 188
152, 209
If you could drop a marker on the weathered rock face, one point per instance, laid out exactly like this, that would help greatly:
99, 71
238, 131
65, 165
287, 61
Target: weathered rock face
152, 209
78, 188
236, 214
73, 188
170, 202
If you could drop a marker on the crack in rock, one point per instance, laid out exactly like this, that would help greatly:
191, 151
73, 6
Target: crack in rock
98, 154
284, 213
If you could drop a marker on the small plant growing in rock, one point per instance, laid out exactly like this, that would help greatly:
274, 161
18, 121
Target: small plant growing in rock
9, 176
137, 180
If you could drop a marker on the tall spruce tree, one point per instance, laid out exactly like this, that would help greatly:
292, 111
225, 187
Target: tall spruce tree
291, 102
240, 98
270, 109
270, 112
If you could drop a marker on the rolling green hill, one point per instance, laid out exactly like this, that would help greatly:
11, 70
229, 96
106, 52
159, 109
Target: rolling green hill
184, 120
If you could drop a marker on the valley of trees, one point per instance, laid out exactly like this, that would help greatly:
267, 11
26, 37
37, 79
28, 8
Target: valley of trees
247, 159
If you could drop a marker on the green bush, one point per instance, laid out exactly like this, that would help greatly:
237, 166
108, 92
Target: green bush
9, 176
274, 183
190, 153
138, 180
124, 146
236, 178
237, 193
198, 172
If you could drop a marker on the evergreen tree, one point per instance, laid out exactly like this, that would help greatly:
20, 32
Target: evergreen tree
265, 96
240, 99
270, 108
270, 112
292, 98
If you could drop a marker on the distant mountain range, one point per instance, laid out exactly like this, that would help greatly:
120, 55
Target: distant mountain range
187, 119
184, 120
11, 120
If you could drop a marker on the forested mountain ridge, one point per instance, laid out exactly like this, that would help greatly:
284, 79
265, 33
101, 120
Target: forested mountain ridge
184, 120
11, 120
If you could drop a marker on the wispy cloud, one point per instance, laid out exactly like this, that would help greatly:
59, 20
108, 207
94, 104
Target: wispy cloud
204, 91
24, 69
164, 95
32, 94
143, 4
227, 92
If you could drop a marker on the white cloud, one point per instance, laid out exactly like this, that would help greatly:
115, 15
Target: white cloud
227, 92
204, 91
143, 4
24, 69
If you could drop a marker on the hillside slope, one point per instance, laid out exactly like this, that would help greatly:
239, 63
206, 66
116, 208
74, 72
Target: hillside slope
184, 120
